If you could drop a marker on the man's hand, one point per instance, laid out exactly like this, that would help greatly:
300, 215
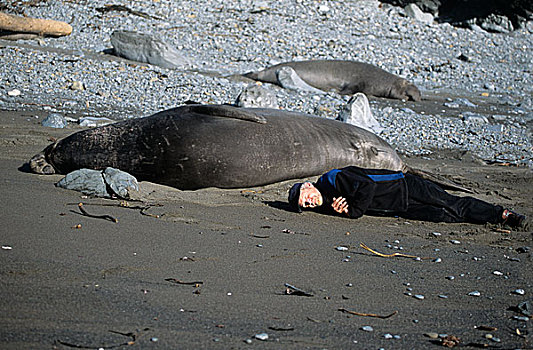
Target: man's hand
340, 205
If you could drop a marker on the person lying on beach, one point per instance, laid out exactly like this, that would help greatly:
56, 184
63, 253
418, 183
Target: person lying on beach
354, 191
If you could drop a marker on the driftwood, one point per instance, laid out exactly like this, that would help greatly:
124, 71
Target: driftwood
10, 25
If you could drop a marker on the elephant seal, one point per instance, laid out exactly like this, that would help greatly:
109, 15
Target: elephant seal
344, 77
197, 146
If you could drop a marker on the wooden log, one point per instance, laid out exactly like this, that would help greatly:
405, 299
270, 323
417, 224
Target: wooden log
43, 27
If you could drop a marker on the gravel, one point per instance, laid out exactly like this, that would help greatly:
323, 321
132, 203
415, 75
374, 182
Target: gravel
483, 80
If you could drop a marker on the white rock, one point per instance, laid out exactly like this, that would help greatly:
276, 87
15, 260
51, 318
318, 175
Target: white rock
416, 13
14, 92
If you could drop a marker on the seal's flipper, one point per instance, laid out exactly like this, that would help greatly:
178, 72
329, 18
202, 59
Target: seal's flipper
39, 165
289, 79
439, 180
228, 112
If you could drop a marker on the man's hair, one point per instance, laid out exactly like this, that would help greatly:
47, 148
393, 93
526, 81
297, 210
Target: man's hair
294, 196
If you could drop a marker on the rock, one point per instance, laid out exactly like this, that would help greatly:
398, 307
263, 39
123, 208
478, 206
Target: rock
367, 328
97, 182
257, 96
496, 23
357, 112
470, 117
521, 318
145, 48
77, 85
526, 308
120, 182
94, 121
14, 92
414, 12
289, 79
54, 120
323, 9
432, 335
261, 336
474, 293
87, 181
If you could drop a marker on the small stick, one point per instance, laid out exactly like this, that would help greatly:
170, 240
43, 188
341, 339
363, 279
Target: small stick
364, 246
502, 230
258, 236
367, 315
105, 217
177, 281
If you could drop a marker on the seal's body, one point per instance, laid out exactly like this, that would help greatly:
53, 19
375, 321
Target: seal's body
345, 78
198, 146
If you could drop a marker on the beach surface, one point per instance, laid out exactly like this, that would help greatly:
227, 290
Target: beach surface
210, 270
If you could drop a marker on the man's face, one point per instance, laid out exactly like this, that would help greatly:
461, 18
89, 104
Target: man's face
310, 197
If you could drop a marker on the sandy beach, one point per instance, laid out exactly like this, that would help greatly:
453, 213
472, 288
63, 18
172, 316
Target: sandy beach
210, 271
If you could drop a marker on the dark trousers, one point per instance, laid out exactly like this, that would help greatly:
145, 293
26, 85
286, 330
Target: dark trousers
429, 202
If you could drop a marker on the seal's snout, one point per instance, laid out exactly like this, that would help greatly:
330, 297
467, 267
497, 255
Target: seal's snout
39, 165
413, 93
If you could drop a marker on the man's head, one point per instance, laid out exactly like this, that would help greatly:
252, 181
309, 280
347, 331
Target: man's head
304, 195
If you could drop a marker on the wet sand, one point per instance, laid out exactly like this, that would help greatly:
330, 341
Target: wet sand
104, 284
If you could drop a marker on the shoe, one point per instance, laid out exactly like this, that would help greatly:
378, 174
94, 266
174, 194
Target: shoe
514, 220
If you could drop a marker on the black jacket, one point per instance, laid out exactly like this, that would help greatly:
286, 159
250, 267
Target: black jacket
375, 191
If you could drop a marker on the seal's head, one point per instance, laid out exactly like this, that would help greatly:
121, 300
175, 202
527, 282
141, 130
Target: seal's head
405, 90
413, 93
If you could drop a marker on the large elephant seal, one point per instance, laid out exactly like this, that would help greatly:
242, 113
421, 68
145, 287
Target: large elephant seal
344, 77
198, 146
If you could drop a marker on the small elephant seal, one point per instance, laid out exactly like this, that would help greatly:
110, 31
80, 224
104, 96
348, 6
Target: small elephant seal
344, 77
197, 146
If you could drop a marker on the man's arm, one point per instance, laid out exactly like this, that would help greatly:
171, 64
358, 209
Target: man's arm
357, 190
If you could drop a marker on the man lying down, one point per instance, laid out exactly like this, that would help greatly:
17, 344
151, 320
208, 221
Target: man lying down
354, 191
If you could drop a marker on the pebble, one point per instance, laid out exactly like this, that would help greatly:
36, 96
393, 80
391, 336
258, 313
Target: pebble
521, 318
454, 241
519, 291
451, 278
367, 328
77, 85
432, 335
419, 296
261, 336
7, 247
497, 273
437, 260
387, 336
442, 296
474, 293
14, 92
341, 248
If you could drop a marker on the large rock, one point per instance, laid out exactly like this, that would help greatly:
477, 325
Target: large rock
145, 48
